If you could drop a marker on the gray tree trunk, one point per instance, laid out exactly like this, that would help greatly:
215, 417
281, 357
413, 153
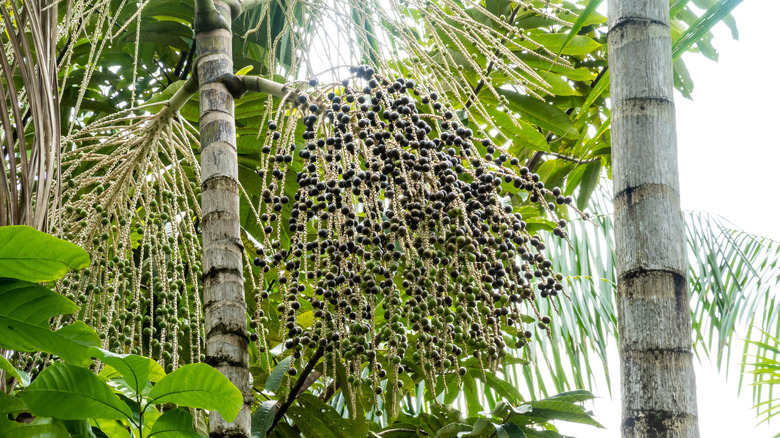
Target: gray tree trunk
657, 379
224, 306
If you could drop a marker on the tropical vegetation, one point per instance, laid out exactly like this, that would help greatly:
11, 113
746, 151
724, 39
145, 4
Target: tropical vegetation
379, 148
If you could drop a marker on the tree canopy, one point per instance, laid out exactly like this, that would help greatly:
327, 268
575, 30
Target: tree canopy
410, 173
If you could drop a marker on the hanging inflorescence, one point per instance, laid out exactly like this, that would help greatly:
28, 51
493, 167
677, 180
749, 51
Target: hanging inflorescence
130, 202
399, 237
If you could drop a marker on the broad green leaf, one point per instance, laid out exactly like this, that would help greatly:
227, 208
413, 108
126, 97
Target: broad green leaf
39, 428
275, 378
151, 416
527, 136
309, 423
499, 7
509, 430
334, 421
429, 423
447, 414
316, 419
201, 386
561, 43
306, 319
501, 409
560, 86
165, 95
134, 369
170, 33
543, 65
22, 377
168, 8
80, 333
590, 179
497, 117
592, 141
522, 409
471, 395
112, 428
79, 428
262, 418
533, 433
540, 113
482, 429
71, 343
69, 392
562, 410
452, 388
121, 387
156, 372
11, 403
176, 423
32, 255
32, 303
578, 395
452, 430
284, 430
554, 172
402, 429
503, 388
248, 112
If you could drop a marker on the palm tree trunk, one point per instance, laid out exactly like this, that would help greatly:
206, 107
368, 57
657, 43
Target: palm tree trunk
223, 289
657, 378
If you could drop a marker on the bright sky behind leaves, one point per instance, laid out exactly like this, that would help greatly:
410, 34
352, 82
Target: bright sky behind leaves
729, 157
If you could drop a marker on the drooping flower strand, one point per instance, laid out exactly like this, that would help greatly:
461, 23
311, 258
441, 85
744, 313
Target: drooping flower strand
131, 203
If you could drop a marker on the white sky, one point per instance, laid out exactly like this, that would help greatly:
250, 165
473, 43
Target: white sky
729, 149
729, 156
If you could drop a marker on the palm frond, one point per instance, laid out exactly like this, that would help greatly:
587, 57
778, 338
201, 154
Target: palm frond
731, 274
733, 278
765, 369
588, 318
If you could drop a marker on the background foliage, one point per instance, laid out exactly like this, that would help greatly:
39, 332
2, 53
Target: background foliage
127, 185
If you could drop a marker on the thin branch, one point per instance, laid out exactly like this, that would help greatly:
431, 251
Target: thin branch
299, 384
183, 56
598, 77
573, 159
188, 65
165, 73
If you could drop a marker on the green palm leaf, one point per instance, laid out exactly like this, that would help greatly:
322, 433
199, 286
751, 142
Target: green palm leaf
765, 369
731, 278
